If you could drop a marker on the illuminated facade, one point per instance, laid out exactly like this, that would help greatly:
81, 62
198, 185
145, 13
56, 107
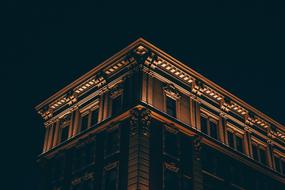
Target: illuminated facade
143, 120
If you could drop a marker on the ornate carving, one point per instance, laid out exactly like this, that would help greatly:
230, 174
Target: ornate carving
197, 143
46, 112
116, 90
248, 129
146, 121
140, 118
171, 166
172, 91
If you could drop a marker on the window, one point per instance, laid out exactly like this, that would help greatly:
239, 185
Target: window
84, 123
171, 142
64, 128
212, 162
112, 142
283, 166
116, 105
171, 180
259, 153
84, 156
213, 129
277, 164
204, 124
94, 117
235, 140
110, 178
89, 118
170, 106
209, 126
64, 133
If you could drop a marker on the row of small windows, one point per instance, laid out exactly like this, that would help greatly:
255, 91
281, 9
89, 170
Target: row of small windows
84, 156
210, 126
88, 119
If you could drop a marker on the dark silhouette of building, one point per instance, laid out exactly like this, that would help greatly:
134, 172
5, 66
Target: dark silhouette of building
143, 120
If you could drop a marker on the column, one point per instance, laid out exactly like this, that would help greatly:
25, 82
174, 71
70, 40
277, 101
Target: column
197, 165
269, 153
56, 134
138, 161
222, 127
47, 128
248, 147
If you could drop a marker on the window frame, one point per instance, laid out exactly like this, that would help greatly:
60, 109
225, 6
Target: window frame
210, 118
167, 129
62, 125
110, 130
88, 111
281, 158
110, 167
259, 145
236, 133
170, 91
170, 167
115, 93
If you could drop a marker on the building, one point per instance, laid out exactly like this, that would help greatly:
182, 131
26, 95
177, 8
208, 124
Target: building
143, 120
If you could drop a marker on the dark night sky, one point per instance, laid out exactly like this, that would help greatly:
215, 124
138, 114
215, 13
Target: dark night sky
238, 45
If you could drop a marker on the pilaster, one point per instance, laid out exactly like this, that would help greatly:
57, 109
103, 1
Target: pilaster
138, 165
197, 165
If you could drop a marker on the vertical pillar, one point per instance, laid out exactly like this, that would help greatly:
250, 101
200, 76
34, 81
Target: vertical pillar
76, 121
47, 128
198, 115
56, 133
248, 148
101, 108
222, 127
192, 112
50, 137
144, 86
269, 153
197, 165
150, 89
138, 161
106, 106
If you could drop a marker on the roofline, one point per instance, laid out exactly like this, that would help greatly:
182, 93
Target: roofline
173, 61
88, 74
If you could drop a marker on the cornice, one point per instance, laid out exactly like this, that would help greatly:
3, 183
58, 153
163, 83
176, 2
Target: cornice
144, 53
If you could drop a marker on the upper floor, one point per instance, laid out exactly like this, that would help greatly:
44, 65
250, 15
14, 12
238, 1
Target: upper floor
143, 74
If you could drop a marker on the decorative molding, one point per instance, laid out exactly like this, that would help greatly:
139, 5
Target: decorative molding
137, 116
171, 166
171, 91
197, 143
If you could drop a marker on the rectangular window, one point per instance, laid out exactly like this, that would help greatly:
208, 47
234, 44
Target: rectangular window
239, 144
170, 106
94, 117
259, 153
171, 180
277, 164
204, 124
235, 141
262, 153
112, 142
231, 139
84, 123
213, 129
171, 143
209, 126
283, 166
110, 179
255, 152
64, 133
116, 105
